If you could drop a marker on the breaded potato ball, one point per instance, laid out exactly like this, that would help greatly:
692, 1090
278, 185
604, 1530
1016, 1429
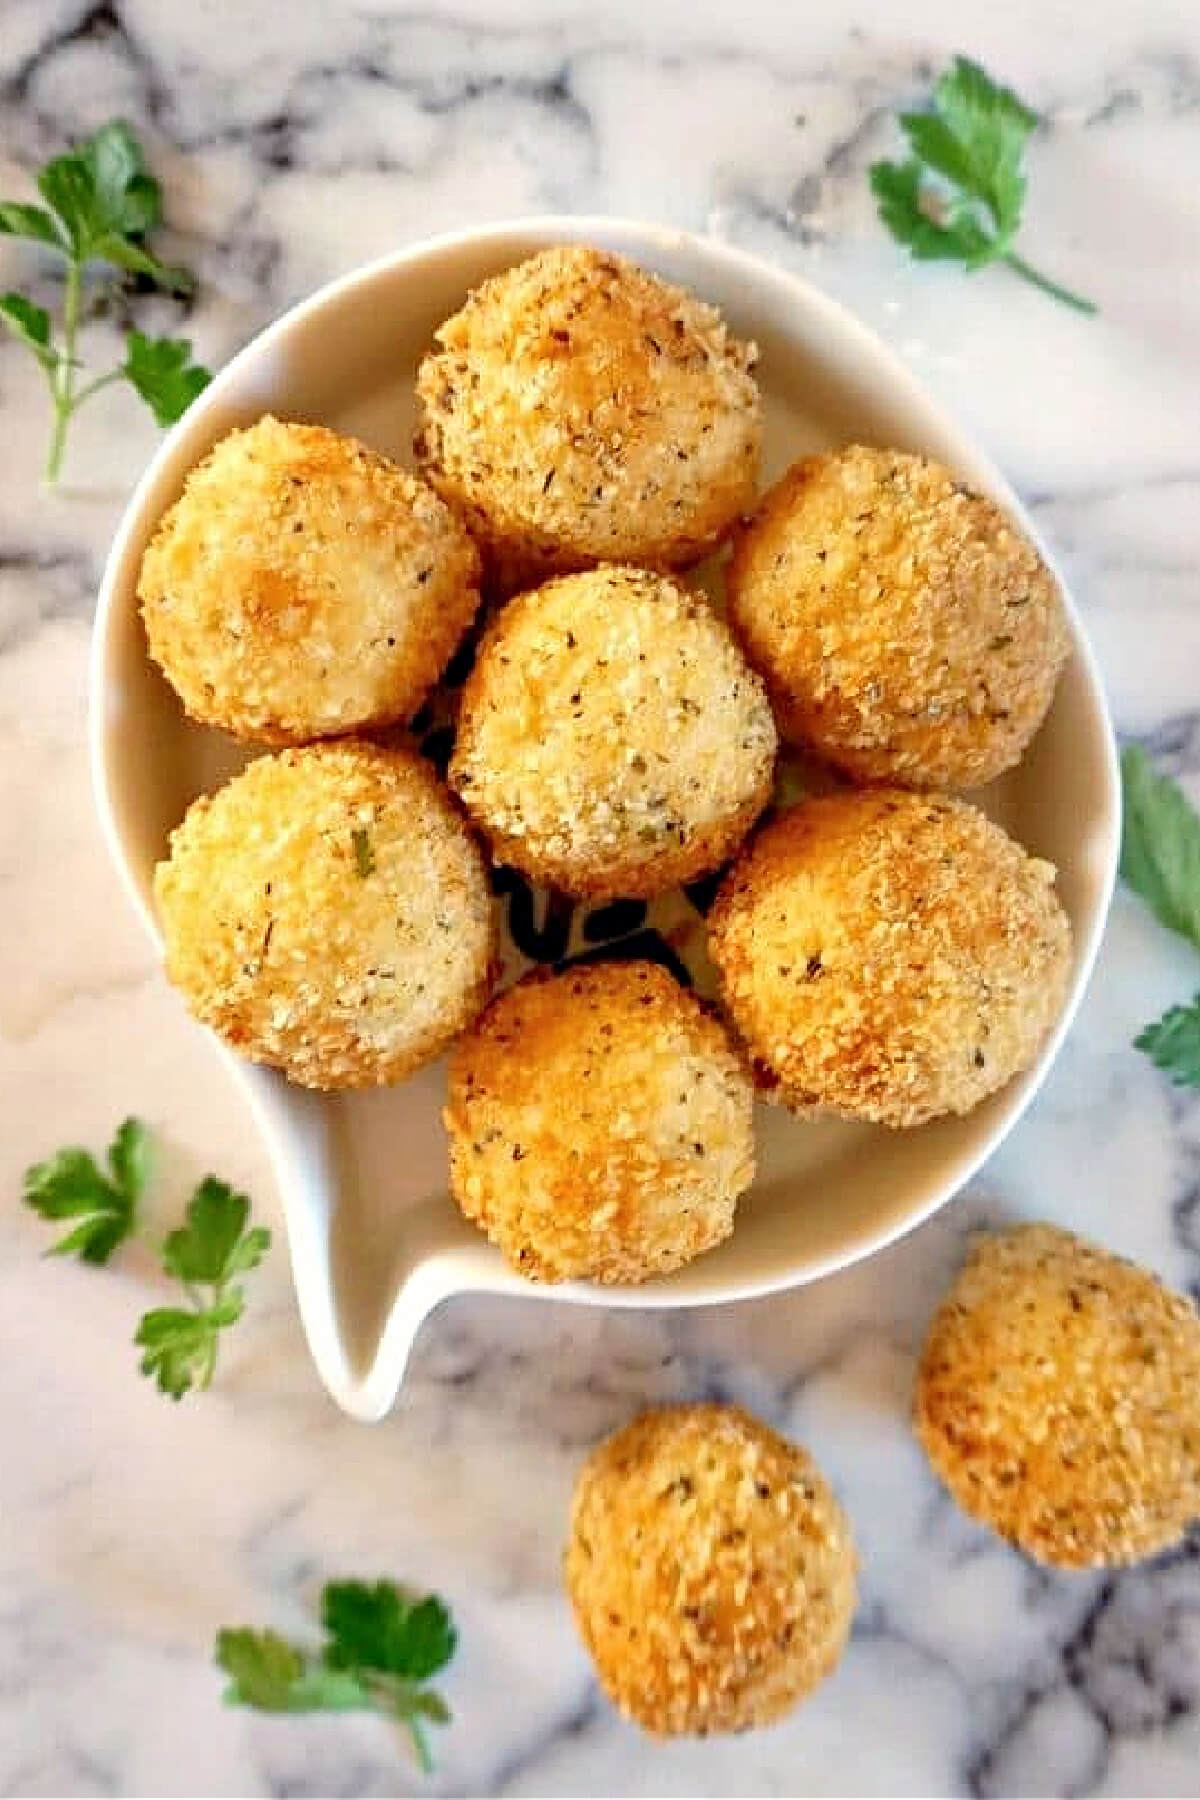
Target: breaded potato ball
303, 587
612, 739
600, 1125
328, 912
711, 1570
907, 629
1058, 1398
889, 956
580, 409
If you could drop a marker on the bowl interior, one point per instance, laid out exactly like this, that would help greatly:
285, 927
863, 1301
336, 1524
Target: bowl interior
825, 1193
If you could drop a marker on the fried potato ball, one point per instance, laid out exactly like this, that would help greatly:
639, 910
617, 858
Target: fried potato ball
303, 587
612, 740
580, 409
600, 1125
328, 912
889, 956
907, 629
1058, 1398
711, 1570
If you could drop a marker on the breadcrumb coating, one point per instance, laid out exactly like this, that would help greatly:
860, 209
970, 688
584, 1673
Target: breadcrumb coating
303, 587
711, 1570
600, 1125
612, 740
889, 956
328, 912
907, 629
580, 409
1058, 1398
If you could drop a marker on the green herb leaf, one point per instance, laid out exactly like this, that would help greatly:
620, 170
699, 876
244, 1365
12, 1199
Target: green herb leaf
162, 372
129, 1157
377, 1627
30, 222
101, 191
916, 218
1173, 1044
31, 324
270, 1674
181, 1345
364, 853
214, 1244
959, 197
1160, 844
381, 1646
71, 1185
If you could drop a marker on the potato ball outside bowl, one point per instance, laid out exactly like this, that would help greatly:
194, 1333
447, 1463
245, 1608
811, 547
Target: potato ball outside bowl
711, 1570
375, 1239
1058, 1398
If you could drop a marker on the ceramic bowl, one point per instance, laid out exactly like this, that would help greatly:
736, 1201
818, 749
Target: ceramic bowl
375, 1239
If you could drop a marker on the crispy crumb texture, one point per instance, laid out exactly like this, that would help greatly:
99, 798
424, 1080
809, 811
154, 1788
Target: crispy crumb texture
328, 912
600, 1125
1058, 1397
613, 741
304, 587
580, 409
908, 630
889, 956
711, 1570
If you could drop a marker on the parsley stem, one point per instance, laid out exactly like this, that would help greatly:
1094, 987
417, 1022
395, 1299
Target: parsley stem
93, 387
1020, 267
64, 384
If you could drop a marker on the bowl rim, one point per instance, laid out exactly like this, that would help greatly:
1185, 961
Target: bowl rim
543, 230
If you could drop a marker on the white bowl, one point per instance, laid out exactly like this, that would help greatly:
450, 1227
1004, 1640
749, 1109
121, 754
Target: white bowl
375, 1240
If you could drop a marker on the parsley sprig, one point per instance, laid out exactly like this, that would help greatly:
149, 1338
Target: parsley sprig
1160, 860
381, 1648
100, 204
958, 197
214, 1246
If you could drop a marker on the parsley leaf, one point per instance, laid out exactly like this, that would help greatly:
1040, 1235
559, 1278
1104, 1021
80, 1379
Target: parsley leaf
270, 1674
960, 194
380, 1647
31, 324
101, 202
181, 1343
163, 373
71, 1185
1160, 844
1173, 1044
1160, 860
380, 1628
213, 1246
31, 222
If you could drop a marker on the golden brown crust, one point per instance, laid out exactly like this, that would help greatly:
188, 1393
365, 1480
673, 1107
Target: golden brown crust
889, 956
600, 1125
579, 410
328, 912
303, 587
907, 629
1058, 1397
612, 740
711, 1570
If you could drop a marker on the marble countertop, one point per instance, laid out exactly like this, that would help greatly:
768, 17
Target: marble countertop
294, 142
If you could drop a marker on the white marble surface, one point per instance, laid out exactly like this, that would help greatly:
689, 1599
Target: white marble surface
296, 141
